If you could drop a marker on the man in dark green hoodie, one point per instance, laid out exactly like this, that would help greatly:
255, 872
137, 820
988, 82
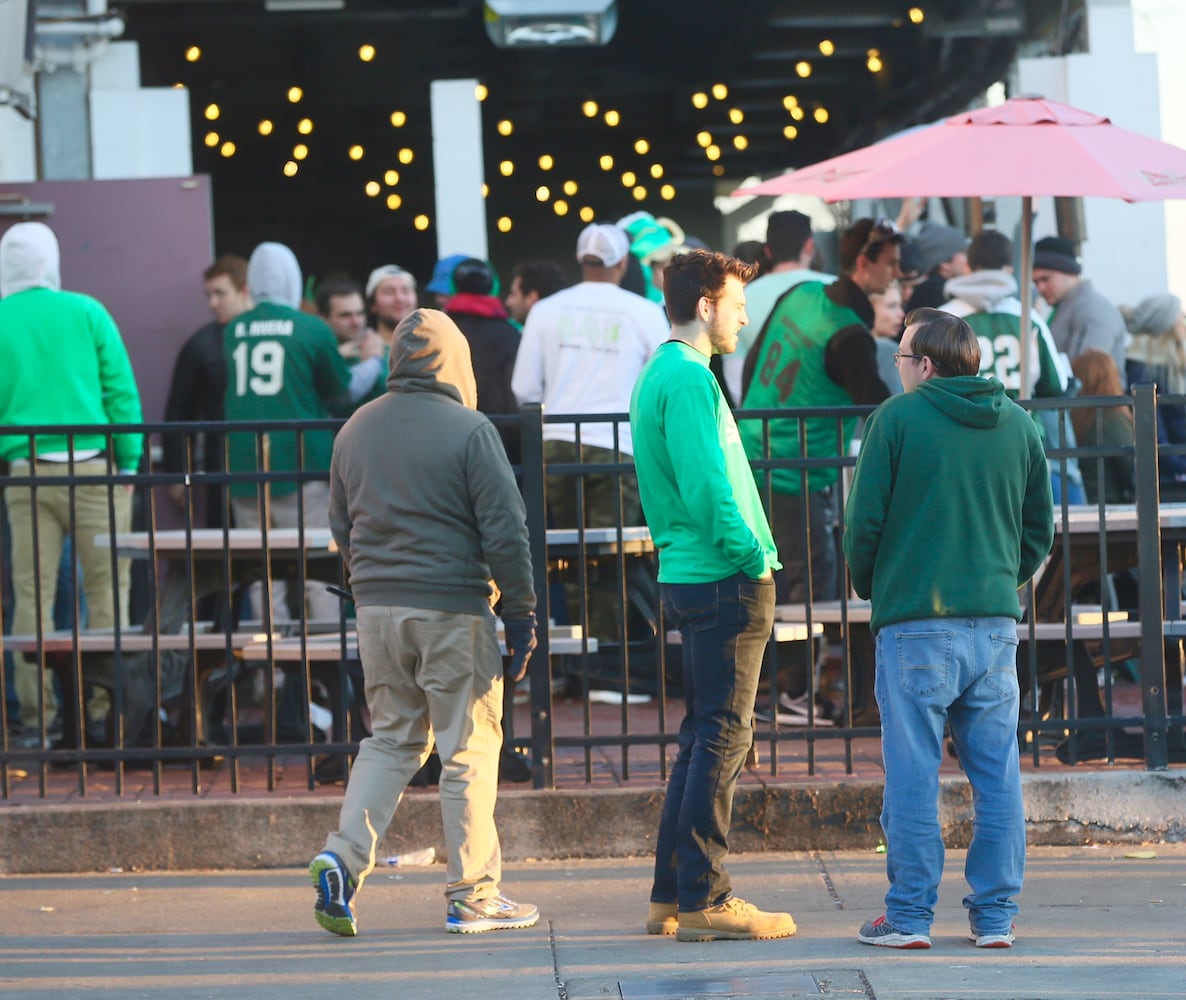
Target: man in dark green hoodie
950, 513
425, 510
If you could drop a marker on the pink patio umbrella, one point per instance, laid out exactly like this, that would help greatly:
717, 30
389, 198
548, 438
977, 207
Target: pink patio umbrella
1027, 147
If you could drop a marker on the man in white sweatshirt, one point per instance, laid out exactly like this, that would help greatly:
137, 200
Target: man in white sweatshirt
581, 352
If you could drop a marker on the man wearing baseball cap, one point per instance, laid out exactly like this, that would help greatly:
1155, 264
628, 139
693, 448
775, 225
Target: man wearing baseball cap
581, 352
1082, 318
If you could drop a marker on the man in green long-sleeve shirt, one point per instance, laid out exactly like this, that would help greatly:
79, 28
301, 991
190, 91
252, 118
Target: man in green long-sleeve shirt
716, 563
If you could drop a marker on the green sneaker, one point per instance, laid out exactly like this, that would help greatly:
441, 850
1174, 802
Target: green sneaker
335, 889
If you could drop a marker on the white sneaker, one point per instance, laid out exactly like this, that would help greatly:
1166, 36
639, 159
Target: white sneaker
795, 712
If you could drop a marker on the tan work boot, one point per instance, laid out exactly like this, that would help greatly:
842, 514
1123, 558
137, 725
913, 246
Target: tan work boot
662, 918
733, 920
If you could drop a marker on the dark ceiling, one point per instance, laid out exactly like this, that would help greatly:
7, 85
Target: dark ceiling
663, 52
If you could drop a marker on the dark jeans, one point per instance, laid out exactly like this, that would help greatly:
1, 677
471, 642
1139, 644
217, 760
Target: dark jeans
724, 627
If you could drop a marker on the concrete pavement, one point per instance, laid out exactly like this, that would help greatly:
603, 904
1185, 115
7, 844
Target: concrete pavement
1095, 924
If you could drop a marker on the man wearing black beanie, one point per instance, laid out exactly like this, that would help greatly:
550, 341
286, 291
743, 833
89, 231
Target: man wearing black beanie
1082, 318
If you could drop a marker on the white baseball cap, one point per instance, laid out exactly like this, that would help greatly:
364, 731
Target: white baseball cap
605, 242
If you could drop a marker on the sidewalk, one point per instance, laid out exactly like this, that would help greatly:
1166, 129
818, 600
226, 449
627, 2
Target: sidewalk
1094, 925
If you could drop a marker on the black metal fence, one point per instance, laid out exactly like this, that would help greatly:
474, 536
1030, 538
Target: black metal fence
220, 651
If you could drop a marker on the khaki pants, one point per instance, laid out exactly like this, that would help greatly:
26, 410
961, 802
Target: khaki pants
319, 602
429, 674
33, 566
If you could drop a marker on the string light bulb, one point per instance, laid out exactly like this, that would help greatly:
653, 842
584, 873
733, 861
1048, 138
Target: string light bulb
700, 100
355, 152
421, 222
305, 126
265, 127
366, 52
720, 91
826, 47
504, 224
193, 54
589, 109
295, 94
612, 118
398, 119
803, 68
405, 156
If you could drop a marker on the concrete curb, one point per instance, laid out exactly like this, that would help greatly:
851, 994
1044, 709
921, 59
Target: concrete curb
1071, 809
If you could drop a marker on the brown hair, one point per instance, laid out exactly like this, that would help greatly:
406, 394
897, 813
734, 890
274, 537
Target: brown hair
699, 274
947, 340
233, 266
1099, 376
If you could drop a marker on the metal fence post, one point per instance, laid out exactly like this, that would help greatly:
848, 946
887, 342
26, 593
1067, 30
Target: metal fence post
535, 499
1151, 593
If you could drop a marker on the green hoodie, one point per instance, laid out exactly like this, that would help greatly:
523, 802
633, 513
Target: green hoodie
694, 480
950, 510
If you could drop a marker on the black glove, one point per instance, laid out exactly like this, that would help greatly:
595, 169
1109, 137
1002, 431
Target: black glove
520, 640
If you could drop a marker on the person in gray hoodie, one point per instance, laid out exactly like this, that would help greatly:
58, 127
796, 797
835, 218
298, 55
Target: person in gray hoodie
425, 511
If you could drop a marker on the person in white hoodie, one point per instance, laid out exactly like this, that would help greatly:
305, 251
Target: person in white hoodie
62, 361
987, 299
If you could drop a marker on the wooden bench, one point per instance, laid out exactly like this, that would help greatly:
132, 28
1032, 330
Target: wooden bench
130, 640
782, 632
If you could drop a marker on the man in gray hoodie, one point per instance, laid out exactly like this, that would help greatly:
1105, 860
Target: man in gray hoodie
425, 511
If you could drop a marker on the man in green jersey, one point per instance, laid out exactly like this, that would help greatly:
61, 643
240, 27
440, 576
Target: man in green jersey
716, 563
283, 364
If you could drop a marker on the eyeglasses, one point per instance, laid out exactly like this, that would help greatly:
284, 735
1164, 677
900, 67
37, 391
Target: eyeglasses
898, 356
882, 231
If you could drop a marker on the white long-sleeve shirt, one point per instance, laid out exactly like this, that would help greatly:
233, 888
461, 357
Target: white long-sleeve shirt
581, 352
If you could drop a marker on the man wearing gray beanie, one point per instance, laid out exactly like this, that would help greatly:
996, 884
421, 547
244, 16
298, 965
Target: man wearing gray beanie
944, 252
1082, 318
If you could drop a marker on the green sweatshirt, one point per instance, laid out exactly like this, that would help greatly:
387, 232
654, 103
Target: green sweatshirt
62, 361
282, 364
950, 510
695, 482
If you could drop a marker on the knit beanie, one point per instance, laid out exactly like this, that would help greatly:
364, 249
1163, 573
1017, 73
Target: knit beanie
1053, 253
938, 244
1155, 315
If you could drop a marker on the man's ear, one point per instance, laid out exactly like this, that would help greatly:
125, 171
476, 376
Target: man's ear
703, 308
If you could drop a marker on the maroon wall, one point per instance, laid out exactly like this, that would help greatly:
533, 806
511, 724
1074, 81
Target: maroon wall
140, 247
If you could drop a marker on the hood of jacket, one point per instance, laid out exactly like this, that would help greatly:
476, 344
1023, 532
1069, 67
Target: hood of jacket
471, 304
982, 290
29, 258
967, 399
429, 354
273, 275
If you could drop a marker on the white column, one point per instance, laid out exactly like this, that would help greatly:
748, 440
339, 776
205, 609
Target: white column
457, 168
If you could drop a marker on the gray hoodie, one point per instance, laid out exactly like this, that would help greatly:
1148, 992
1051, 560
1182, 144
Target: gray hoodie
423, 503
29, 258
273, 275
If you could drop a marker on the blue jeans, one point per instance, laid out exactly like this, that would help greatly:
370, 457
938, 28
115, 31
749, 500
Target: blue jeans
962, 671
724, 627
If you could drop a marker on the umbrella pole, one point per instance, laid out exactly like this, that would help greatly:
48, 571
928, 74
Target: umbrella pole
1025, 289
